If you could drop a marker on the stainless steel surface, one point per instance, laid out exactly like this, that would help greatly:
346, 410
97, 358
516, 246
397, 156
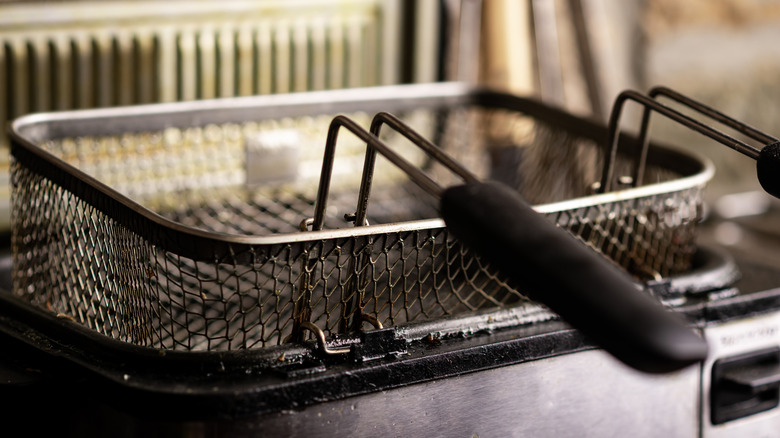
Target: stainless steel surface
587, 394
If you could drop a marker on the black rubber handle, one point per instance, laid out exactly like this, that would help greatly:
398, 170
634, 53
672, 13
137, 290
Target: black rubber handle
556, 269
768, 169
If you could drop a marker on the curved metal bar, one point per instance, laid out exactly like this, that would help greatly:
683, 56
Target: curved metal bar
644, 141
321, 339
384, 118
653, 105
435, 152
423, 180
705, 110
714, 114
371, 319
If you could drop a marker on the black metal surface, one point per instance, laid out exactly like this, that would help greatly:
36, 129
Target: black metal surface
377, 344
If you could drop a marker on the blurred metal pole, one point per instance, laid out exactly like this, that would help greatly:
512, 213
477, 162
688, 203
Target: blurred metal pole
508, 52
464, 24
548, 54
590, 68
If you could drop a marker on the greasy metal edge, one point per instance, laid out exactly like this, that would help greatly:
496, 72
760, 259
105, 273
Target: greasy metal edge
189, 241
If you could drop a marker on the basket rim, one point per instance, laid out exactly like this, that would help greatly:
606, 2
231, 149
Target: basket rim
28, 131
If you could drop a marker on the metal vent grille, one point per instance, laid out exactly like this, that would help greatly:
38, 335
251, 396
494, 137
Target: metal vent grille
83, 54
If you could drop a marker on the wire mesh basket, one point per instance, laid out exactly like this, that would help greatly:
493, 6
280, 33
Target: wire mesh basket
184, 226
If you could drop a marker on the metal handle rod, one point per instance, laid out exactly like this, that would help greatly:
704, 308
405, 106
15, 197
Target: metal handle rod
585, 49
355, 288
653, 105
767, 158
435, 152
716, 115
548, 57
369, 163
341, 121
708, 111
703, 109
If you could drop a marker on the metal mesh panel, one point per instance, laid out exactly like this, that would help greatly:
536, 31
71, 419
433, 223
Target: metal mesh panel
653, 235
73, 260
77, 261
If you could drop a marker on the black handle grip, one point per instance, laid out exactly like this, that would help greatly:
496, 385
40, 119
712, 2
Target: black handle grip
768, 169
585, 289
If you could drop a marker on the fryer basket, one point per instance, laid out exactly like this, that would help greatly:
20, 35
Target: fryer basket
147, 224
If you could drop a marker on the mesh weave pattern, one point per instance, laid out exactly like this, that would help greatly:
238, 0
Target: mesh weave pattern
73, 259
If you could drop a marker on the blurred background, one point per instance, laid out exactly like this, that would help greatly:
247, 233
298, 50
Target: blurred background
578, 54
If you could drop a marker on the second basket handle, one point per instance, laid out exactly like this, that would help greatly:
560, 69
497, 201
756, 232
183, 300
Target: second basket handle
767, 158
